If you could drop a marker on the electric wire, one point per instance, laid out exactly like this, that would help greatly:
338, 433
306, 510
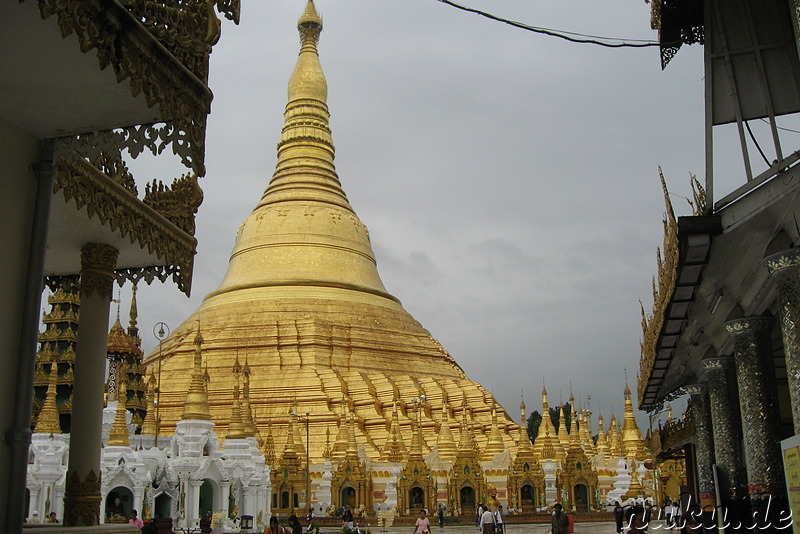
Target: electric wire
572, 37
755, 142
765, 121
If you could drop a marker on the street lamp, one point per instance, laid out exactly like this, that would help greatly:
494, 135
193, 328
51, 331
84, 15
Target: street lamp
308, 467
161, 331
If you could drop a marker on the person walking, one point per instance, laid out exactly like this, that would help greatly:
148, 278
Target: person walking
423, 524
441, 515
619, 516
486, 524
498, 520
559, 523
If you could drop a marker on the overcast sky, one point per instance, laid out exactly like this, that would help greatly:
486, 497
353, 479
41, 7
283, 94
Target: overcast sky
509, 180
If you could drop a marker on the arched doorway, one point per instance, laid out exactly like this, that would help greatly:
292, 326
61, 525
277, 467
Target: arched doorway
284, 498
206, 507
468, 503
416, 498
163, 505
347, 497
581, 498
527, 498
119, 503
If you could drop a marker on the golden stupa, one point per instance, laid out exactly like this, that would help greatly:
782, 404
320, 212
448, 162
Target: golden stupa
303, 306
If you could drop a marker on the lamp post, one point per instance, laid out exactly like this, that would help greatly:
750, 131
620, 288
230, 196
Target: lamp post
308, 467
161, 331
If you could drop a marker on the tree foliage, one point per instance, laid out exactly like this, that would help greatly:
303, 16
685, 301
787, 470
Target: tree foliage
534, 420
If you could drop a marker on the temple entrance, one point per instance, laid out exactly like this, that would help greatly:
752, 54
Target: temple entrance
528, 498
348, 497
119, 503
284, 498
163, 505
581, 498
467, 496
416, 499
206, 507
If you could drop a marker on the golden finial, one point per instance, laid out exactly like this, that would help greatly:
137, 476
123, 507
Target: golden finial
118, 435
48, 421
133, 329
149, 426
196, 405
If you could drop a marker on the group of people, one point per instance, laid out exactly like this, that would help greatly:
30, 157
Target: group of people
34, 518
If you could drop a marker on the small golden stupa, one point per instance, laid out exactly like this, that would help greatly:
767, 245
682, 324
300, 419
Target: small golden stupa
302, 303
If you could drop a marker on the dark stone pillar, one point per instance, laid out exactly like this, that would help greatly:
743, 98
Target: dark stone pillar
704, 443
724, 404
784, 269
758, 401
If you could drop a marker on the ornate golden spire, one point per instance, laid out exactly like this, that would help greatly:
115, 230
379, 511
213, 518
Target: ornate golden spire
250, 429
304, 212
236, 427
48, 421
340, 443
395, 449
196, 405
446, 443
133, 328
631, 436
495, 444
269, 446
150, 425
352, 446
563, 434
602, 442
326, 453
466, 442
118, 435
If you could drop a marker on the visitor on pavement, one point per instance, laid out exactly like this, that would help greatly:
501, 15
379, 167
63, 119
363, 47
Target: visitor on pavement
441, 515
487, 521
498, 520
273, 527
51, 518
134, 520
559, 522
294, 524
423, 524
619, 515
34, 518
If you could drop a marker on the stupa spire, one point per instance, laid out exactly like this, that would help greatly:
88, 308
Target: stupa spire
133, 328
304, 232
446, 443
495, 444
118, 435
149, 426
236, 426
250, 429
196, 405
48, 421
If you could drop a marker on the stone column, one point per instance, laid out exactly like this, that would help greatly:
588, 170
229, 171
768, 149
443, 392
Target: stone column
33, 502
758, 400
783, 269
225, 488
82, 498
704, 443
726, 425
193, 501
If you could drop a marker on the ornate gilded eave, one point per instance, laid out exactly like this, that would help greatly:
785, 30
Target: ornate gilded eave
678, 22
156, 224
161, 48
686, 248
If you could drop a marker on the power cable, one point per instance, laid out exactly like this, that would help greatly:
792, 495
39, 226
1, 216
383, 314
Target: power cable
572, 37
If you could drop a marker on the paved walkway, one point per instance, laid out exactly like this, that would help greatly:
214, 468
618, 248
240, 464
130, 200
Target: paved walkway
532, 528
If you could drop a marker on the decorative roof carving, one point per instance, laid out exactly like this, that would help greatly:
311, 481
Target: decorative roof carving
663, 289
